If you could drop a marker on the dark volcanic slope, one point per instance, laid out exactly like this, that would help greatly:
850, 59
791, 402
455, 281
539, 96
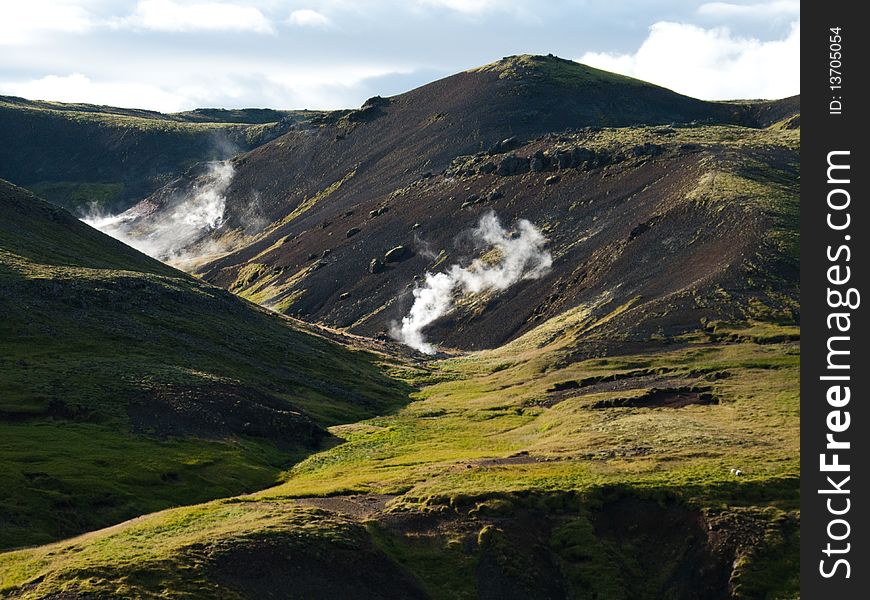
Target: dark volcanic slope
127, 386
639, 212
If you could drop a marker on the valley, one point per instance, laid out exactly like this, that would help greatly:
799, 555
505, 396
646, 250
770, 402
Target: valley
600, 398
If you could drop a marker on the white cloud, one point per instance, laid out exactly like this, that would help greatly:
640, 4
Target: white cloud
765, 10
711, 63
306, 17
171, 15
523, 11
79, 88
21, 22
469, 7
204, 83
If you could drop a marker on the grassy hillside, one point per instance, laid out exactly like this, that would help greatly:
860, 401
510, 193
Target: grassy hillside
513, 474
86, 157
127, 386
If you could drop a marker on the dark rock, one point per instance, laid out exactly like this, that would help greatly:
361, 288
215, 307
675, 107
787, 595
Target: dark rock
638, 230
352, 231
564, 159
495, 195
582, 155
376, 266
376, 101
646, 149
602, 159
397, 254
415, 226
472, 198
512, 165
326, 253
505, 145
552, 180
487, 167
344, 296
539, 161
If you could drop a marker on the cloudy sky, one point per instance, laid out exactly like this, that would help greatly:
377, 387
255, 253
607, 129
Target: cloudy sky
173, 55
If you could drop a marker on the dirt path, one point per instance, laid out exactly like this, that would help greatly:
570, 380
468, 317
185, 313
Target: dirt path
358, 506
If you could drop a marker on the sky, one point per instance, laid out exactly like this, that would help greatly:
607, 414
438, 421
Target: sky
174, 55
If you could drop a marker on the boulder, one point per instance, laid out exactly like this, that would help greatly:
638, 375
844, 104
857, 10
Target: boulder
564, 159
539, 161
397, 254
505, 145
552, 180
352, 231
582, 155
512, 165
376, 266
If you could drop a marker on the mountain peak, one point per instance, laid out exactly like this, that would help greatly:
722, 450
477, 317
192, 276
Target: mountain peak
539, 68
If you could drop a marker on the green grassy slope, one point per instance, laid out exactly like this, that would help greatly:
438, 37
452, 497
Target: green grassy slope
127, 386
83, 156
502, 475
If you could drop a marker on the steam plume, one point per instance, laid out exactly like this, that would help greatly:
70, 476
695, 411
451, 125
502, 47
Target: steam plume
520, 255
169, 234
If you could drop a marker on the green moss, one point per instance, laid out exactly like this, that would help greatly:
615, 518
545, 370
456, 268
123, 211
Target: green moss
555, 70
91, 328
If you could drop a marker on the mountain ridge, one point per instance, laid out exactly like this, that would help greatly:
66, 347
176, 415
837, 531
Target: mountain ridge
418, 169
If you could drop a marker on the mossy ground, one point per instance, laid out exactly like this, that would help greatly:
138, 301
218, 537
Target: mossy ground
483, 443
90, 328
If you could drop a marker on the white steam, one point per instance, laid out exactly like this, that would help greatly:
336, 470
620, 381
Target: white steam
519, 255
169, 234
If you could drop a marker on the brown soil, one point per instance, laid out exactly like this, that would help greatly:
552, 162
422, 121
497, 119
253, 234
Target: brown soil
358, 506
399, 189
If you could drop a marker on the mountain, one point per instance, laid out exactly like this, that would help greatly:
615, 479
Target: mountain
617, 173
103, 159
601, 277
127, 386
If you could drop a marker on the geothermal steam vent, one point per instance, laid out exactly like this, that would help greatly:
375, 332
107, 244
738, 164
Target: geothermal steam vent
519, 254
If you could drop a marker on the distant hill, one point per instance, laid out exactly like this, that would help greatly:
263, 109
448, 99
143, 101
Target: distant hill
87, 157
127, 386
